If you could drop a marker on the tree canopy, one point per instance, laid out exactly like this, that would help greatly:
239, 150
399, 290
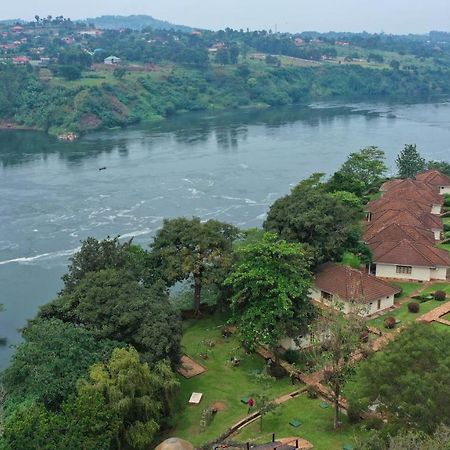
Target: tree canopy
361, 171
120, 405
49, 361
270, 284
410, 378
326, 224
190, 249
410, 162
113, 305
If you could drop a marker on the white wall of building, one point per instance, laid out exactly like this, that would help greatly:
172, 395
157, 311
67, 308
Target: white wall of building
390, 271
444, 190
436, 209
366, 310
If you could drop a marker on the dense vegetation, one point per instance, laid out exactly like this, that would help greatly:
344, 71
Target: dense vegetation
62, 84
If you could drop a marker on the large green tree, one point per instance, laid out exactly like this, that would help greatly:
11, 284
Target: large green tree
120, 405
191, 249
135, 394
410, 162
270, 284
325, 223
361, 171
113, 305
51, 358
410, 378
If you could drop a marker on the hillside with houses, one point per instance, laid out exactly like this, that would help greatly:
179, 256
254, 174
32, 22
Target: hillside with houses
75, 77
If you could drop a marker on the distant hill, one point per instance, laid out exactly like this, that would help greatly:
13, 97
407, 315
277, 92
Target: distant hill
135, 22
11, 21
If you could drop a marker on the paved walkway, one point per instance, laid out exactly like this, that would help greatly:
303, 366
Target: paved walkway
435, 314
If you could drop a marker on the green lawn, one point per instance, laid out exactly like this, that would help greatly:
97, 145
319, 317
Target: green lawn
408, 287
316, 427
438, 287
404, 315
220, 383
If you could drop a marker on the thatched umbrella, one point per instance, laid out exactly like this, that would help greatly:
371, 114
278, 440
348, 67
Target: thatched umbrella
175, 444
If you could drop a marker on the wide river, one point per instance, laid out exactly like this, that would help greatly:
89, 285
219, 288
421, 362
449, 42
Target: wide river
229, 166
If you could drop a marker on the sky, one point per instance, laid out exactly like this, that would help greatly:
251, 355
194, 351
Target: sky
389, 16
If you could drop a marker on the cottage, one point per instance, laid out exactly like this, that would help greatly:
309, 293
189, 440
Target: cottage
335, 283
391, 232
409, 260
436, 179
411, 218
112, 60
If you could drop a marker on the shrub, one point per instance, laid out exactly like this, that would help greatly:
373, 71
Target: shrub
440, 296
374, 423
389, 322
413, 307
291, 356
311, 392
354, 412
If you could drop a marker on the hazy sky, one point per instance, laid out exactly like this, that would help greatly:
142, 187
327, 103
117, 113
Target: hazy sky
391, 16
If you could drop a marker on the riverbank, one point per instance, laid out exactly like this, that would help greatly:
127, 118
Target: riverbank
88, 104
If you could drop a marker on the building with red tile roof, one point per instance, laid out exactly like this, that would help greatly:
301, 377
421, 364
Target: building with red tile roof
391, 232
338, 284
407, 259
439, 181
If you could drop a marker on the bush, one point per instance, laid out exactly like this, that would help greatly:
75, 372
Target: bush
413, 307
374, 423
311, 392
291, 356
354, 413
389, 322
440, 296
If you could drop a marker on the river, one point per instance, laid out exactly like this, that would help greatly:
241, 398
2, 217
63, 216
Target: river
228, 166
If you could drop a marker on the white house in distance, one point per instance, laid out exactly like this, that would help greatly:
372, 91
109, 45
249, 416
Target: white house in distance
439, 181
409, 260
112, 60
335, 283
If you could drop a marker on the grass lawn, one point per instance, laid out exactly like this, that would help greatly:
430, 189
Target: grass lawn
408, 287
404, 315
316, 427
220, 383
438, 287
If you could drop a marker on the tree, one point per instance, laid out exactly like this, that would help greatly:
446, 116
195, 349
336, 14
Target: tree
264, 406
339, 338
188, 248
366, 166
95, 255
70, 73
404, 379
132, 391
113, 305
270, 284
407, 440
410, 162
320, 220
51, 358
394, 64
442, 166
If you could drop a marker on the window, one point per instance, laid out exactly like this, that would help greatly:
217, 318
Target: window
404, 269
379, 304
326, 296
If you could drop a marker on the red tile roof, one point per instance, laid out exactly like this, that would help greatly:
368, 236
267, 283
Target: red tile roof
407, 183
409, 253
405, 217
394, 232
386, 203
414, 194
351, 284
434, 178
